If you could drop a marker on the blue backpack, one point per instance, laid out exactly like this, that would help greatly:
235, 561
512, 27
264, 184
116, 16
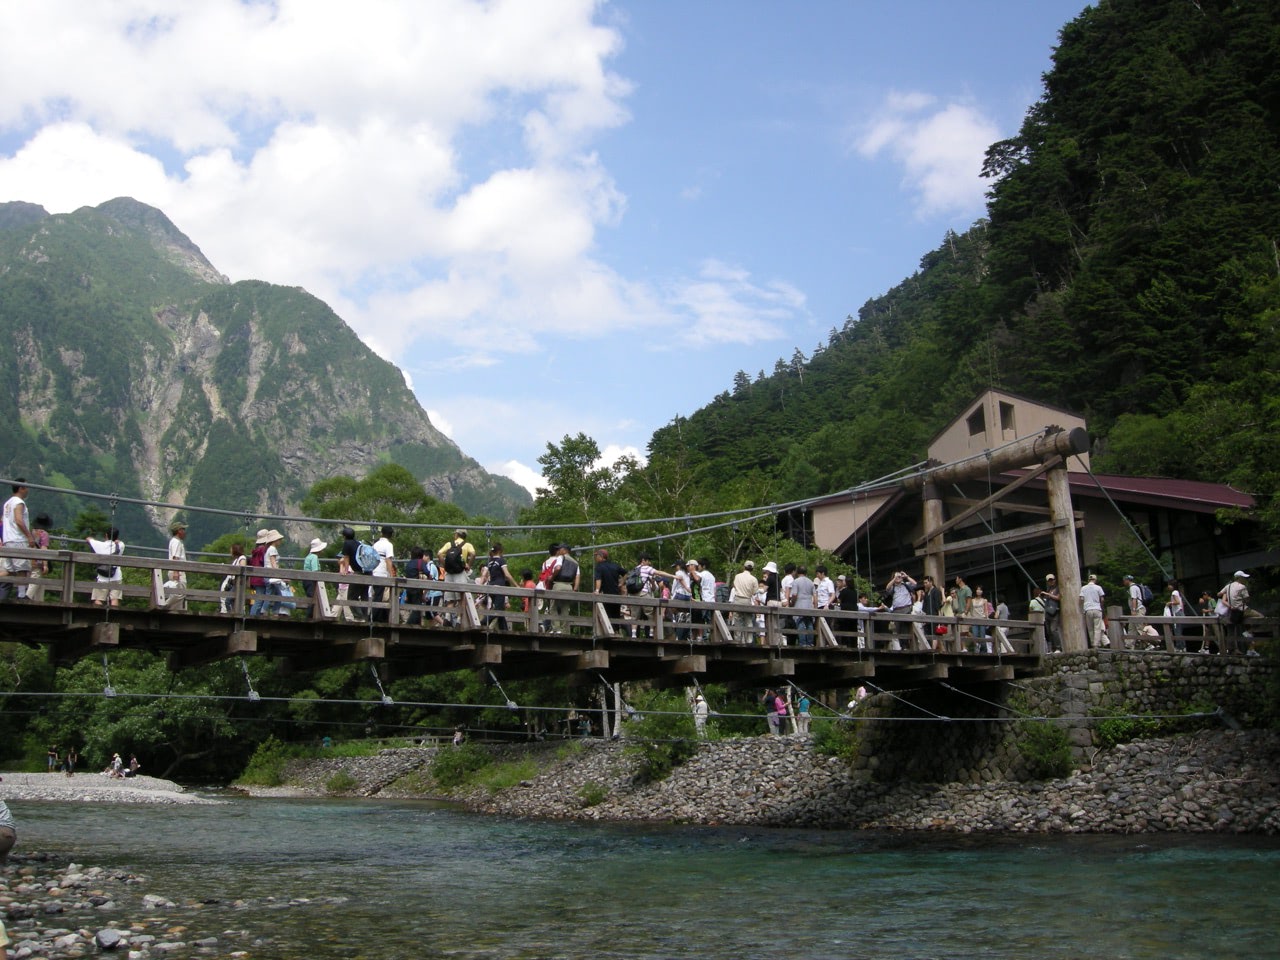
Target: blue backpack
367, 558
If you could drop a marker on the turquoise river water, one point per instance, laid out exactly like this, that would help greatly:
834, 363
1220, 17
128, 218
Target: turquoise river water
411, 880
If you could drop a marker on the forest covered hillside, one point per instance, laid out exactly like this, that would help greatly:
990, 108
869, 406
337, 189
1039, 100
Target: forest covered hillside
136, 368
1127, 269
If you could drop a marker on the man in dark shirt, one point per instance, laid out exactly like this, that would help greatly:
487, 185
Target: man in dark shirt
357, 592
608, 581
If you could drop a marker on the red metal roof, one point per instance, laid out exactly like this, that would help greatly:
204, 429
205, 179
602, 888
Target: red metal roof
1194, 495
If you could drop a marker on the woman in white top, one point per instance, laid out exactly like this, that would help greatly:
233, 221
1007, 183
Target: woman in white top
111, 581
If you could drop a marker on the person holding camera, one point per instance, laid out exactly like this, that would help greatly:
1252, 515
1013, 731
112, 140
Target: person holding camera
902, 590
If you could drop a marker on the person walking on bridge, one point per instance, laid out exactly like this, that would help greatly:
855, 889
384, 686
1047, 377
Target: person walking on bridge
744, 590
109, 579
455, 559
386, 568
496, 573
1091, 597
566, 579
608, 581
17, 533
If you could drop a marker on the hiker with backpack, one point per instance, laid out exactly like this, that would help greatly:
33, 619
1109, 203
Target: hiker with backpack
357, 593
418, 568
455, 559
565, 579
495, 573
266, 554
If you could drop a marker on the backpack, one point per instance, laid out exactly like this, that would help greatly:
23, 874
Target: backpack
258, 558
1145, 594
415, 570
453, 559
105, 570
367, 558
568, 570
723, 592
634, 583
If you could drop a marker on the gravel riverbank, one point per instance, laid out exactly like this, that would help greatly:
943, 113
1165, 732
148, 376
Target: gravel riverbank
94, 787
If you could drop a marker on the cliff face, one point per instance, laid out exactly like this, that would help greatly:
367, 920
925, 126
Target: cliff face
136, 367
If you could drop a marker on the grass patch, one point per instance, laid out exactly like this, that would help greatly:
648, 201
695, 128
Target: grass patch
341, 782
497, 777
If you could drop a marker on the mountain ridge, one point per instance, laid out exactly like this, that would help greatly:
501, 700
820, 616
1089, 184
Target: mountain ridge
139, 368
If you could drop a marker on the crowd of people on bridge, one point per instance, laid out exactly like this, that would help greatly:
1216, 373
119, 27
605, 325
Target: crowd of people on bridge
628, 591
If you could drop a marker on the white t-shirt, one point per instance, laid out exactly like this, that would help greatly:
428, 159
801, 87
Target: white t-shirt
12, 535
108, 547
707, 584
681, 588
1092, 595
386, 551
1135, 599
824, 592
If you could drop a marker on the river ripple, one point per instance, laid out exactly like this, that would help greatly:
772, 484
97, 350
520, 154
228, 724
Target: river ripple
418, 880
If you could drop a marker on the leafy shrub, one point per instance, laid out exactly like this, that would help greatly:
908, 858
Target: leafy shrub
836, 738
592, 793
266, 767
663, 736
1045, 748
341, 782
455, 766
1122, 729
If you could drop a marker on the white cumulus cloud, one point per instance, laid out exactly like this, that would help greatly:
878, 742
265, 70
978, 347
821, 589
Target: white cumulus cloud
939, 145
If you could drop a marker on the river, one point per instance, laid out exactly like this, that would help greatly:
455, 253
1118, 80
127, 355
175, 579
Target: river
388, 880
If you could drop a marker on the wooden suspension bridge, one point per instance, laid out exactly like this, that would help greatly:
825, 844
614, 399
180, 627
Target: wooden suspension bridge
666, 642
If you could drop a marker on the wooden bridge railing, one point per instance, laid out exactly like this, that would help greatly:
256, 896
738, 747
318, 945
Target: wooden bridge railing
71, 578
472, 606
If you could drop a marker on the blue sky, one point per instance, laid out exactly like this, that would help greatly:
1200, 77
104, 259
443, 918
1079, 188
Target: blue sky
556, 216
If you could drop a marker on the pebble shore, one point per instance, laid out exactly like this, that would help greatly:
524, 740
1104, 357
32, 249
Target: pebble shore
54, 909
94, 787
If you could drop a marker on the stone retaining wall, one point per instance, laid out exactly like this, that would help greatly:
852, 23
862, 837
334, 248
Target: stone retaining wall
900, 740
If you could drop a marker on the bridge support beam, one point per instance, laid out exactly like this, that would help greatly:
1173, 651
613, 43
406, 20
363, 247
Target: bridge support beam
216, 648
487, 655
